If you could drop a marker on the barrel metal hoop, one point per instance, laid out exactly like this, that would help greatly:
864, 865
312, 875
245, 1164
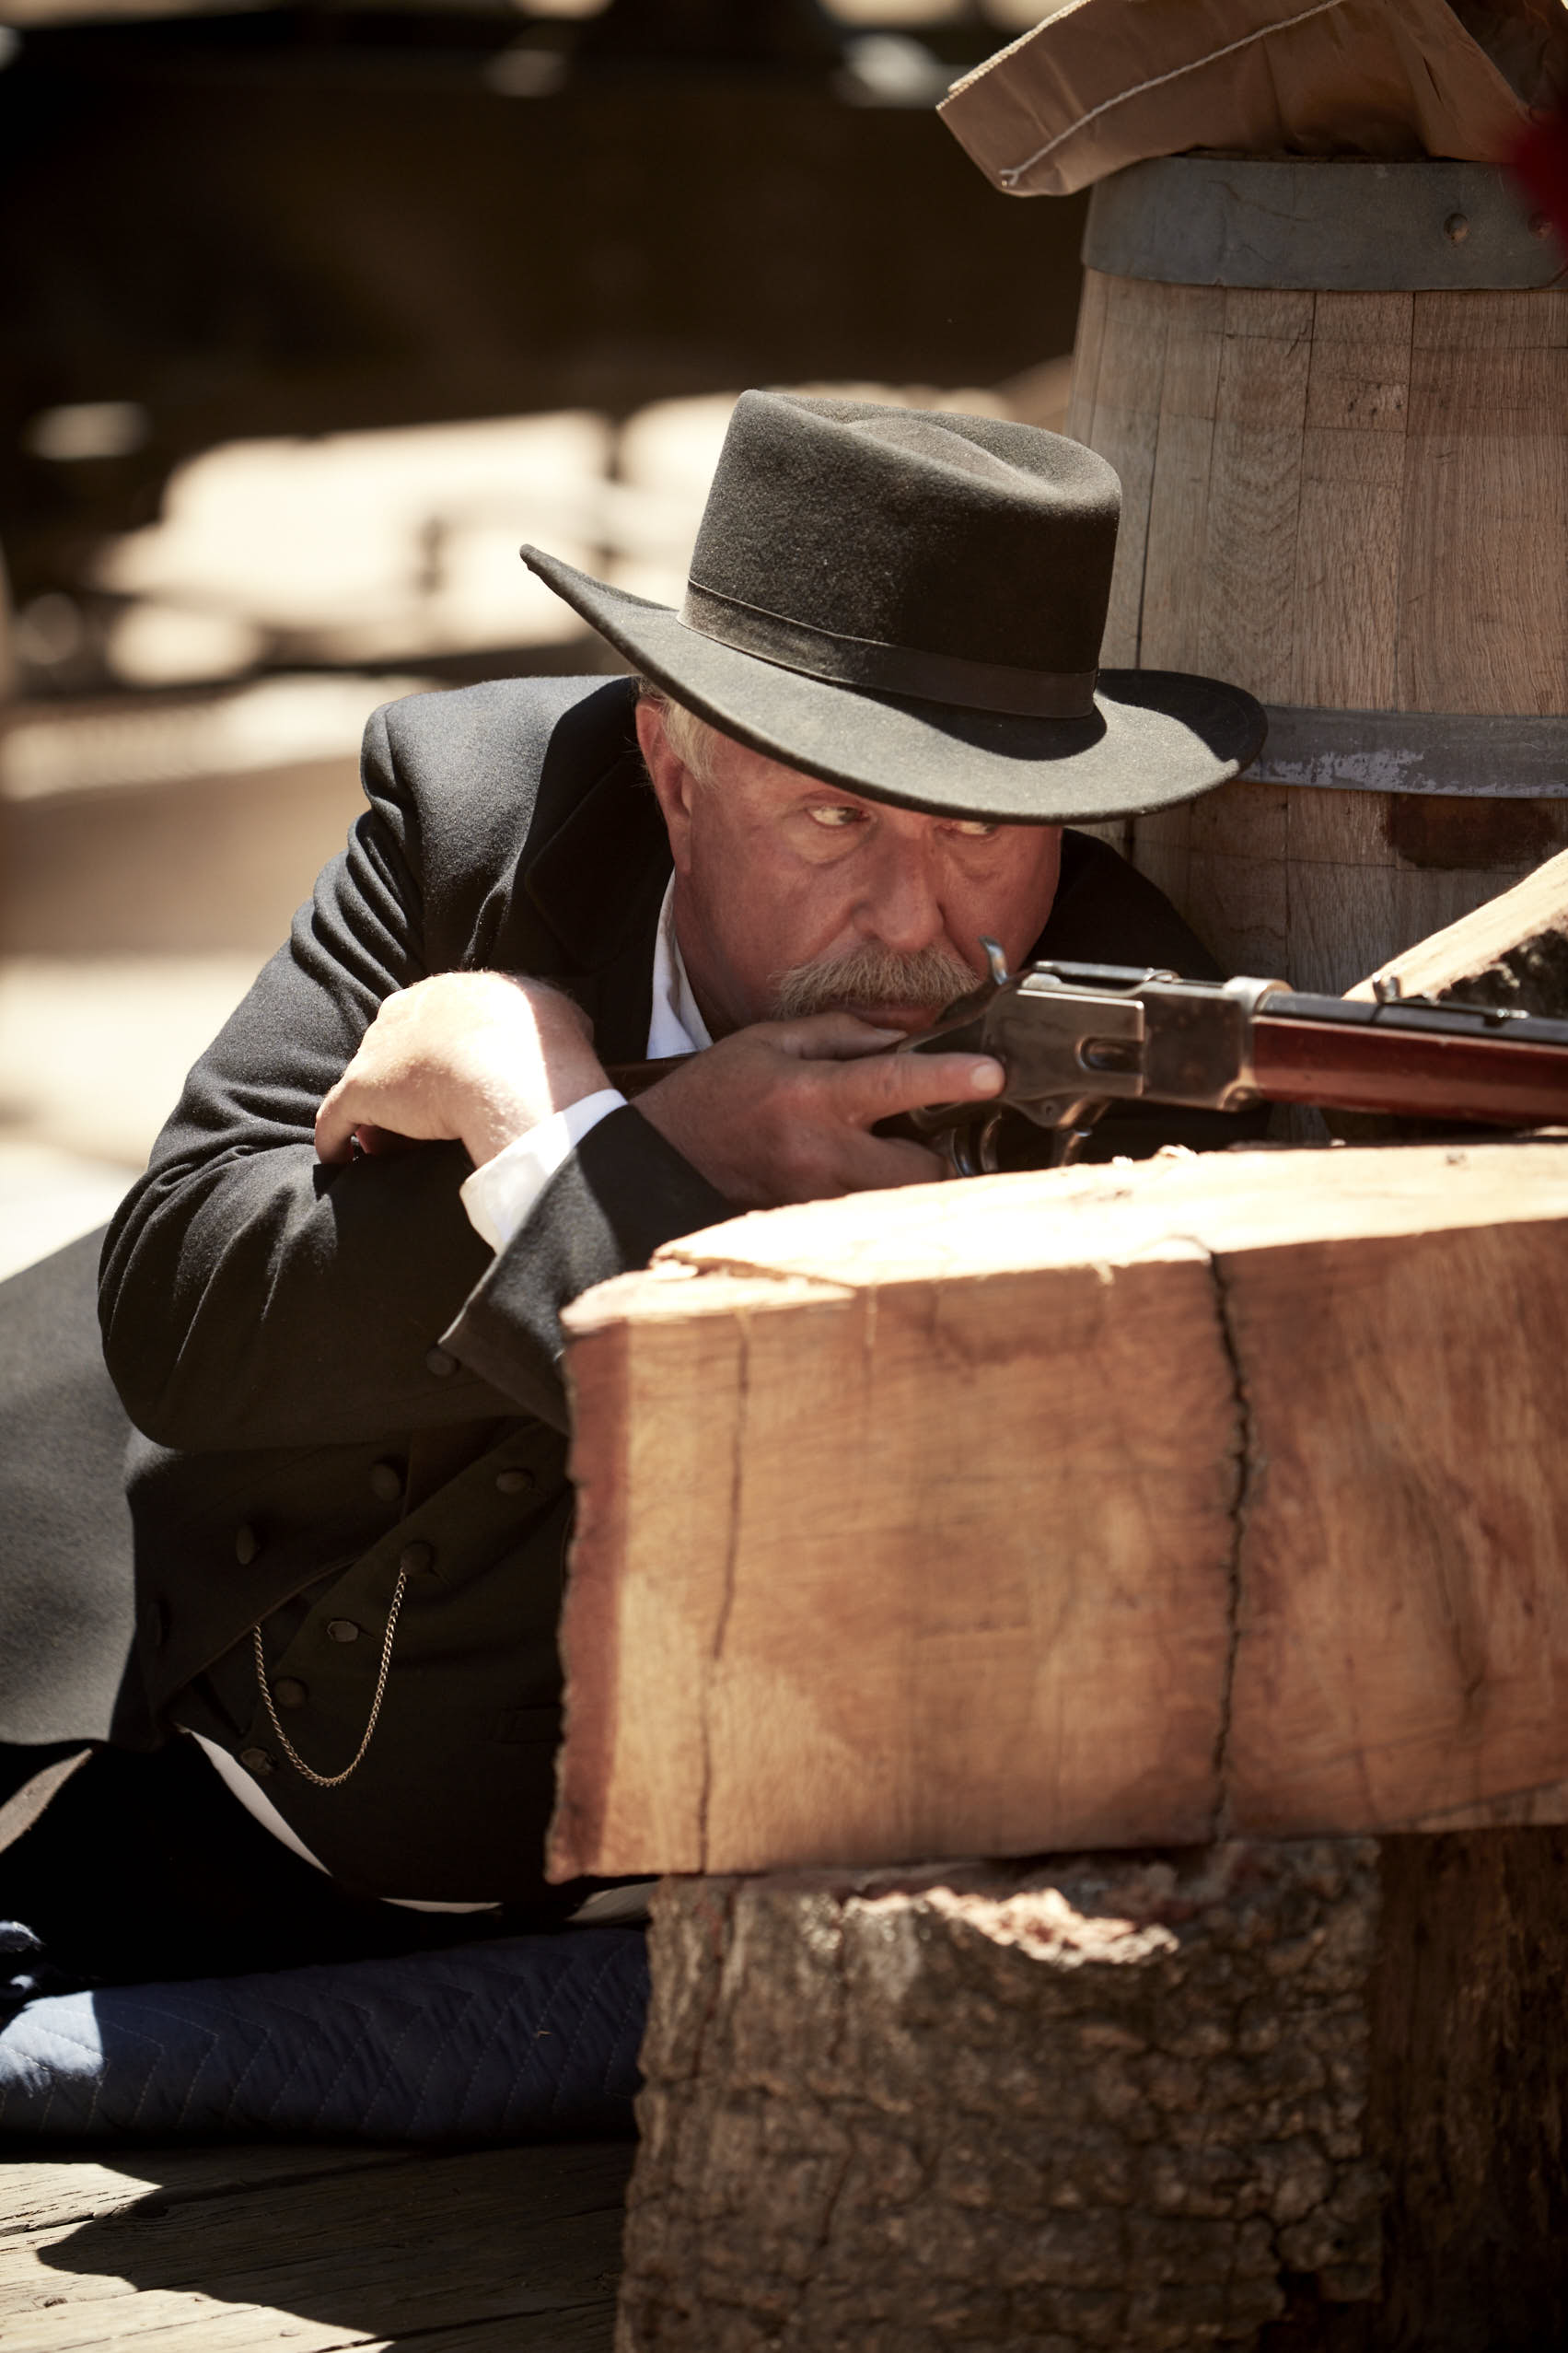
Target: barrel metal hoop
1338, 224
1493, 756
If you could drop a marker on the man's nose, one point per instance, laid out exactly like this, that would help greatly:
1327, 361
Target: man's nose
902, 906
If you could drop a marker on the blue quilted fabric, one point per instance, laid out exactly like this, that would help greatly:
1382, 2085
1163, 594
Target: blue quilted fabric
525, 2038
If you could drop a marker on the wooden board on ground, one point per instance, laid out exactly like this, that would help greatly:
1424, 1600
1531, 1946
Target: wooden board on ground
1120, 1506
233, 2250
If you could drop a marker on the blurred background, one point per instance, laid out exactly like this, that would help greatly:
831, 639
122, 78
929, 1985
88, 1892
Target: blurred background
309, 316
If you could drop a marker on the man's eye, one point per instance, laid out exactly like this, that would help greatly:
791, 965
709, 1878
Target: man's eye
833, 813
976, 829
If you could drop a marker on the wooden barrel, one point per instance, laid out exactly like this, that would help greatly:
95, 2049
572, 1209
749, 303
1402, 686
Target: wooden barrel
1336, 393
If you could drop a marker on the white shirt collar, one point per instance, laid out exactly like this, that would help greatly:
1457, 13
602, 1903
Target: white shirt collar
675, 1025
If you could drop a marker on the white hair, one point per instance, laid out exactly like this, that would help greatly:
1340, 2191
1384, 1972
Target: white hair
692, 740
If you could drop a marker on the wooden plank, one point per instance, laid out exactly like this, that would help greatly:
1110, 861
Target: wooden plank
1125, 431
961, 1574
1247, 578
1345, 624
1178, 494
586, 2328
1515, 943
908, 1461
1240, 911
1404, 1629
1239, 883
1483, 619
1221, 861
1086, 345
412, 2248
43, 2193
651, 1504
1341, 887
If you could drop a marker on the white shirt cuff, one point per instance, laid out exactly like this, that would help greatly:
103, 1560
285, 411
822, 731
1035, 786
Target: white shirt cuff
500, 1195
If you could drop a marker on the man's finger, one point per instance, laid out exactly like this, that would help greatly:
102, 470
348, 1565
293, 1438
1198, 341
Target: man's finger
881, 1088
883, 1162
334, 1126
829, 1037
382, 1143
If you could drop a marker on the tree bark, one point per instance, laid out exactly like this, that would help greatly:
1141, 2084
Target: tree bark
1298, 2097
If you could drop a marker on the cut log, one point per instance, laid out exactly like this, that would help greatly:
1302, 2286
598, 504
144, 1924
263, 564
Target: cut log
1304, 2097
1513, 952
1111, 1506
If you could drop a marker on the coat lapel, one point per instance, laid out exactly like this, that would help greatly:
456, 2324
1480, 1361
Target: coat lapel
597, 879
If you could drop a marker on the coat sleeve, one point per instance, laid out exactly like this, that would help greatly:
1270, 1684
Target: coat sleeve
251, 1297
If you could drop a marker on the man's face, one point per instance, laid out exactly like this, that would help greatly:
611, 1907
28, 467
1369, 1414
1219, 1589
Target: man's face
847, 904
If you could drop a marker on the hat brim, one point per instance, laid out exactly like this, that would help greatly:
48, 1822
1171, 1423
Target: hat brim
1155, 737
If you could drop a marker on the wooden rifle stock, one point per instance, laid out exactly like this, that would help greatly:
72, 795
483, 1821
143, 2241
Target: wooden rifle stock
1490, 1081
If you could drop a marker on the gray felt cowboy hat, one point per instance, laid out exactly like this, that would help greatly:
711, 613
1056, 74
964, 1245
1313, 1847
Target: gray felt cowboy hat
911, 605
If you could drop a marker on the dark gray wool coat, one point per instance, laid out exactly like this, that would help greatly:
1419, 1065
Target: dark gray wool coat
330, 1376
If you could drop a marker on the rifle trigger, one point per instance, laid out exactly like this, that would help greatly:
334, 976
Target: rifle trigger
969, 1146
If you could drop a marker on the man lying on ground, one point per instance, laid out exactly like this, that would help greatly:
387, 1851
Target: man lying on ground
333, 1305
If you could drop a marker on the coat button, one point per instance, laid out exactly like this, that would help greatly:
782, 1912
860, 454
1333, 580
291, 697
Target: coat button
515, 1482
440, 1361
415, 1558
289, 1692
259, 1761
247, 1544
386, 1482
342, 1630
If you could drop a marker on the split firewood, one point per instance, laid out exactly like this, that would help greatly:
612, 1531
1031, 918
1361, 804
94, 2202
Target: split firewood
1513, 952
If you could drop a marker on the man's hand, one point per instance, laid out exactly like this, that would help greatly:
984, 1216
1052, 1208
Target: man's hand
782, 1112
472, 1055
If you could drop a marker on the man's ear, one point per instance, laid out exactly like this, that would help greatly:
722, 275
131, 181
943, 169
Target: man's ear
673, 782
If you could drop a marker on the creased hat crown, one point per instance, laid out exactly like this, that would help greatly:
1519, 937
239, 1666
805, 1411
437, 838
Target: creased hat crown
968, 540
909, 603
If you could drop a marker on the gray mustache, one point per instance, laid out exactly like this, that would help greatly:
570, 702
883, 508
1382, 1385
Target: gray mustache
871, 975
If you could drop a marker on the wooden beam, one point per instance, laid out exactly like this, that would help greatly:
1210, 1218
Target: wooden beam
1107, 1506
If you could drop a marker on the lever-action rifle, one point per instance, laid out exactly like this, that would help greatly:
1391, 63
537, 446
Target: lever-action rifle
1075, 1038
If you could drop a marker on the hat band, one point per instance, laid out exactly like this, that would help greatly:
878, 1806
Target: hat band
888, 670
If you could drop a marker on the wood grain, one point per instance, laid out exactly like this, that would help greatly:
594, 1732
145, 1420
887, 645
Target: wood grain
958, 1561
1005, 2106
1342, 502
1266, 2093
1484, 620
1404, 1626
1170, 621
1126, 431
1088, 341
232, 2251
652, 1504
1344, 625
765, 1705
1249, 549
